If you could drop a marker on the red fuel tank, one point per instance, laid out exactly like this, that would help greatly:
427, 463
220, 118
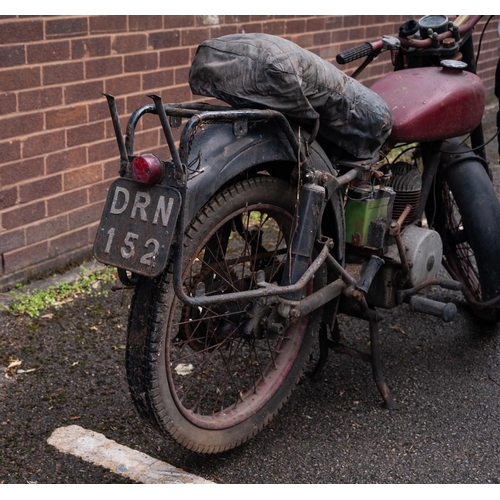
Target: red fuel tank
429, 104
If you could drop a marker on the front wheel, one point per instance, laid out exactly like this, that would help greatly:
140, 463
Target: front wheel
467, 215
199, 374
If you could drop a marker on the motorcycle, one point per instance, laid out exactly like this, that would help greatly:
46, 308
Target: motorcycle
247, 243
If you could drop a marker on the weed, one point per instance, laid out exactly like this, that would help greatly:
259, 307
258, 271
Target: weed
32, 303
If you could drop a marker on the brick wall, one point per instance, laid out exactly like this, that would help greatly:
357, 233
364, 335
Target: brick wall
58, 153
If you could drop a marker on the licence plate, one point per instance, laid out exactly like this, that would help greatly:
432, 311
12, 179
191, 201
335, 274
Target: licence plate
137, 227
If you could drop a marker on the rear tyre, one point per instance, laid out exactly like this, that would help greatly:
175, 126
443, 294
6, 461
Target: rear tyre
195, 373
467, 215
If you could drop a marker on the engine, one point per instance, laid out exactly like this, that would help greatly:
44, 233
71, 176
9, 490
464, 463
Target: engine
369, 212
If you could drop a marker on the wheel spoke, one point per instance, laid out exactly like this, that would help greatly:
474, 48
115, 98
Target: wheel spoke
227, 365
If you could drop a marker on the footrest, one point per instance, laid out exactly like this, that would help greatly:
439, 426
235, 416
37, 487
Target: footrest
445, 311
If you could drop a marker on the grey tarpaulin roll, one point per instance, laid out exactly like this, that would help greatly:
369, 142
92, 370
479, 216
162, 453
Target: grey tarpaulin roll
266, 71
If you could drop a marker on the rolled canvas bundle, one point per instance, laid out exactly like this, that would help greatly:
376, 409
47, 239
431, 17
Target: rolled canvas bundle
265, 71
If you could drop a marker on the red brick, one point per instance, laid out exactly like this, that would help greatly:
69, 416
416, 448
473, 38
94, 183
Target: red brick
252, 27
146, 140
108, 24
85, 134
40, 98
236, 19
260, 18
209, 20
181, 75
83, 176
341, 36
12, 56
373, 32
19, 171
8, 197
100, 110
62, 73
19, 125
40, 188
350, 21
7, 103
87, 91
122, 85
333, 23
92, 231
21, 31
106, 66
19, 78
67, 242
322, 38
66, 202
43, 143
274, 28
98, 192
305, 40
23, 215
147, 121
177, 94
65, 28
130, 43
65, 160
194, 36
10, 151
133, 102
65, 117
295, 26
84, 48
158, 79
144, 23
102, 151
109, 130
85, 215
328, 53
24, 257
174, 57
110, 169
48, 52
11, 240
178, 21
357, 34
141, 62
218, 31
46, 229
164, 39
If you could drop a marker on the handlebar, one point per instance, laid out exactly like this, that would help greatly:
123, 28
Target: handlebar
463, 23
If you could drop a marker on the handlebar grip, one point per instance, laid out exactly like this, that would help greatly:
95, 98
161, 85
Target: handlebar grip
358, 52
446, 312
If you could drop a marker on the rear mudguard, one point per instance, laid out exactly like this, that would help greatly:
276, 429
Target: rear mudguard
215, 156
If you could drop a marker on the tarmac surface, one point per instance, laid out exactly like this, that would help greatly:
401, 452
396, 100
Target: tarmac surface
445, 377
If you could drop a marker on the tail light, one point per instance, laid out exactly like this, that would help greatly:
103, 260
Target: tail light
147, 169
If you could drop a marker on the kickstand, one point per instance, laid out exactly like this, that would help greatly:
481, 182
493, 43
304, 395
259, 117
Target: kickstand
374, 358
377, 362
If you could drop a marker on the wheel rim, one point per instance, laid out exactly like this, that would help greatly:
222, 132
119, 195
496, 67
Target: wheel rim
459, 254
218, 374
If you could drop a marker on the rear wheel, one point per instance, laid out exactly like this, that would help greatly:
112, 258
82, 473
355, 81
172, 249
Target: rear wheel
467, 216
199, 374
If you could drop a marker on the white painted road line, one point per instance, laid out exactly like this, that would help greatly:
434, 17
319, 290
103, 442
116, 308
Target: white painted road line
98, 449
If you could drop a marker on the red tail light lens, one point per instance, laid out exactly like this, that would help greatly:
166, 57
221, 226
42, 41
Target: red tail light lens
147, 169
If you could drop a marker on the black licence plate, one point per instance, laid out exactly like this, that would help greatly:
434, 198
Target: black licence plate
137, 227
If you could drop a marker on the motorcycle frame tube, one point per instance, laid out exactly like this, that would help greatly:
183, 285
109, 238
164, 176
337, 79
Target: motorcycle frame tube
228, 158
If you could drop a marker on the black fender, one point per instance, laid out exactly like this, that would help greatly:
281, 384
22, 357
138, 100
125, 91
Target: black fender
216, 156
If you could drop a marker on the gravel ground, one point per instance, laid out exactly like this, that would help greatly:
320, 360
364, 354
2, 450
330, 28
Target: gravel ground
446, 378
